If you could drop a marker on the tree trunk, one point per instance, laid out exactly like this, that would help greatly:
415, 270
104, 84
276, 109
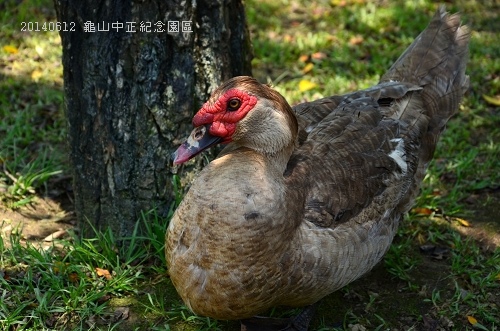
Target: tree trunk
130, 96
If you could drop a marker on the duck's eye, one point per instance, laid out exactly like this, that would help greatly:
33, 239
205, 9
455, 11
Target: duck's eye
233, 104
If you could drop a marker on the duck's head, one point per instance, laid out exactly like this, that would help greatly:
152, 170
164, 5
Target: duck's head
244, 112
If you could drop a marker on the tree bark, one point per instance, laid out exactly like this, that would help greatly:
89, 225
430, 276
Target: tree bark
130, 96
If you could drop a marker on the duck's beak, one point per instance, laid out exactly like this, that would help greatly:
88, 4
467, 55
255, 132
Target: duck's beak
199, 140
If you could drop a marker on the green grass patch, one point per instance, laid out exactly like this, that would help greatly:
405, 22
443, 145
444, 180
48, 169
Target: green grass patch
32, 130
69, 285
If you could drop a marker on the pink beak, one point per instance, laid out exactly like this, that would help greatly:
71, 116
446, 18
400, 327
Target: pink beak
199, 140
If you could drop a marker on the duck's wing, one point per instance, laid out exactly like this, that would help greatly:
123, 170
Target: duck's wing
378, 142
353, 155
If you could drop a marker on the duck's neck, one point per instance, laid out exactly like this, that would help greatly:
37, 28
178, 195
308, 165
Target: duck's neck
273, 161
270, 132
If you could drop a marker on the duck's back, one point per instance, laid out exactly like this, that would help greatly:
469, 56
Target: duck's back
362, 156
361, 142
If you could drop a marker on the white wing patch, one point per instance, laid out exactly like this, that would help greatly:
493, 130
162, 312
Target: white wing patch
309, 128
399, 155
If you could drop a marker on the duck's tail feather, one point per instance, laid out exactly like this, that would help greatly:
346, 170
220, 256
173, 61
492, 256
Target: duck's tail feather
436, 63
441, 50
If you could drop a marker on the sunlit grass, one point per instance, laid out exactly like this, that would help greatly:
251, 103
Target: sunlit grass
32, 130
69, 285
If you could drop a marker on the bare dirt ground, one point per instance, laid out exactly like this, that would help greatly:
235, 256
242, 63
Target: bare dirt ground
486, 218
41, 222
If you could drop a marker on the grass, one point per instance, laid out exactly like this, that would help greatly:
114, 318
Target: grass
436, 272
32, 129
69, 285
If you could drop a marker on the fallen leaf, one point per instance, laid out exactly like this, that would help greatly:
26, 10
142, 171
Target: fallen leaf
495, 101
36, 74
318, 56
306, 85
422, 211
462, 222
10, 49
308, 68
471, 320
356, 40
497, 277
103, 273
303, 58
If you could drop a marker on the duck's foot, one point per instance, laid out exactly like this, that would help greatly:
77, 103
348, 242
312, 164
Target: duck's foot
297, 323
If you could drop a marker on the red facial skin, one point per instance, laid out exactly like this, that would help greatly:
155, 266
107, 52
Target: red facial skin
222, 118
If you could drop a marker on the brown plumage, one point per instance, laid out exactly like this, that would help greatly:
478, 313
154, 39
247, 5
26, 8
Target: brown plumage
302, 202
